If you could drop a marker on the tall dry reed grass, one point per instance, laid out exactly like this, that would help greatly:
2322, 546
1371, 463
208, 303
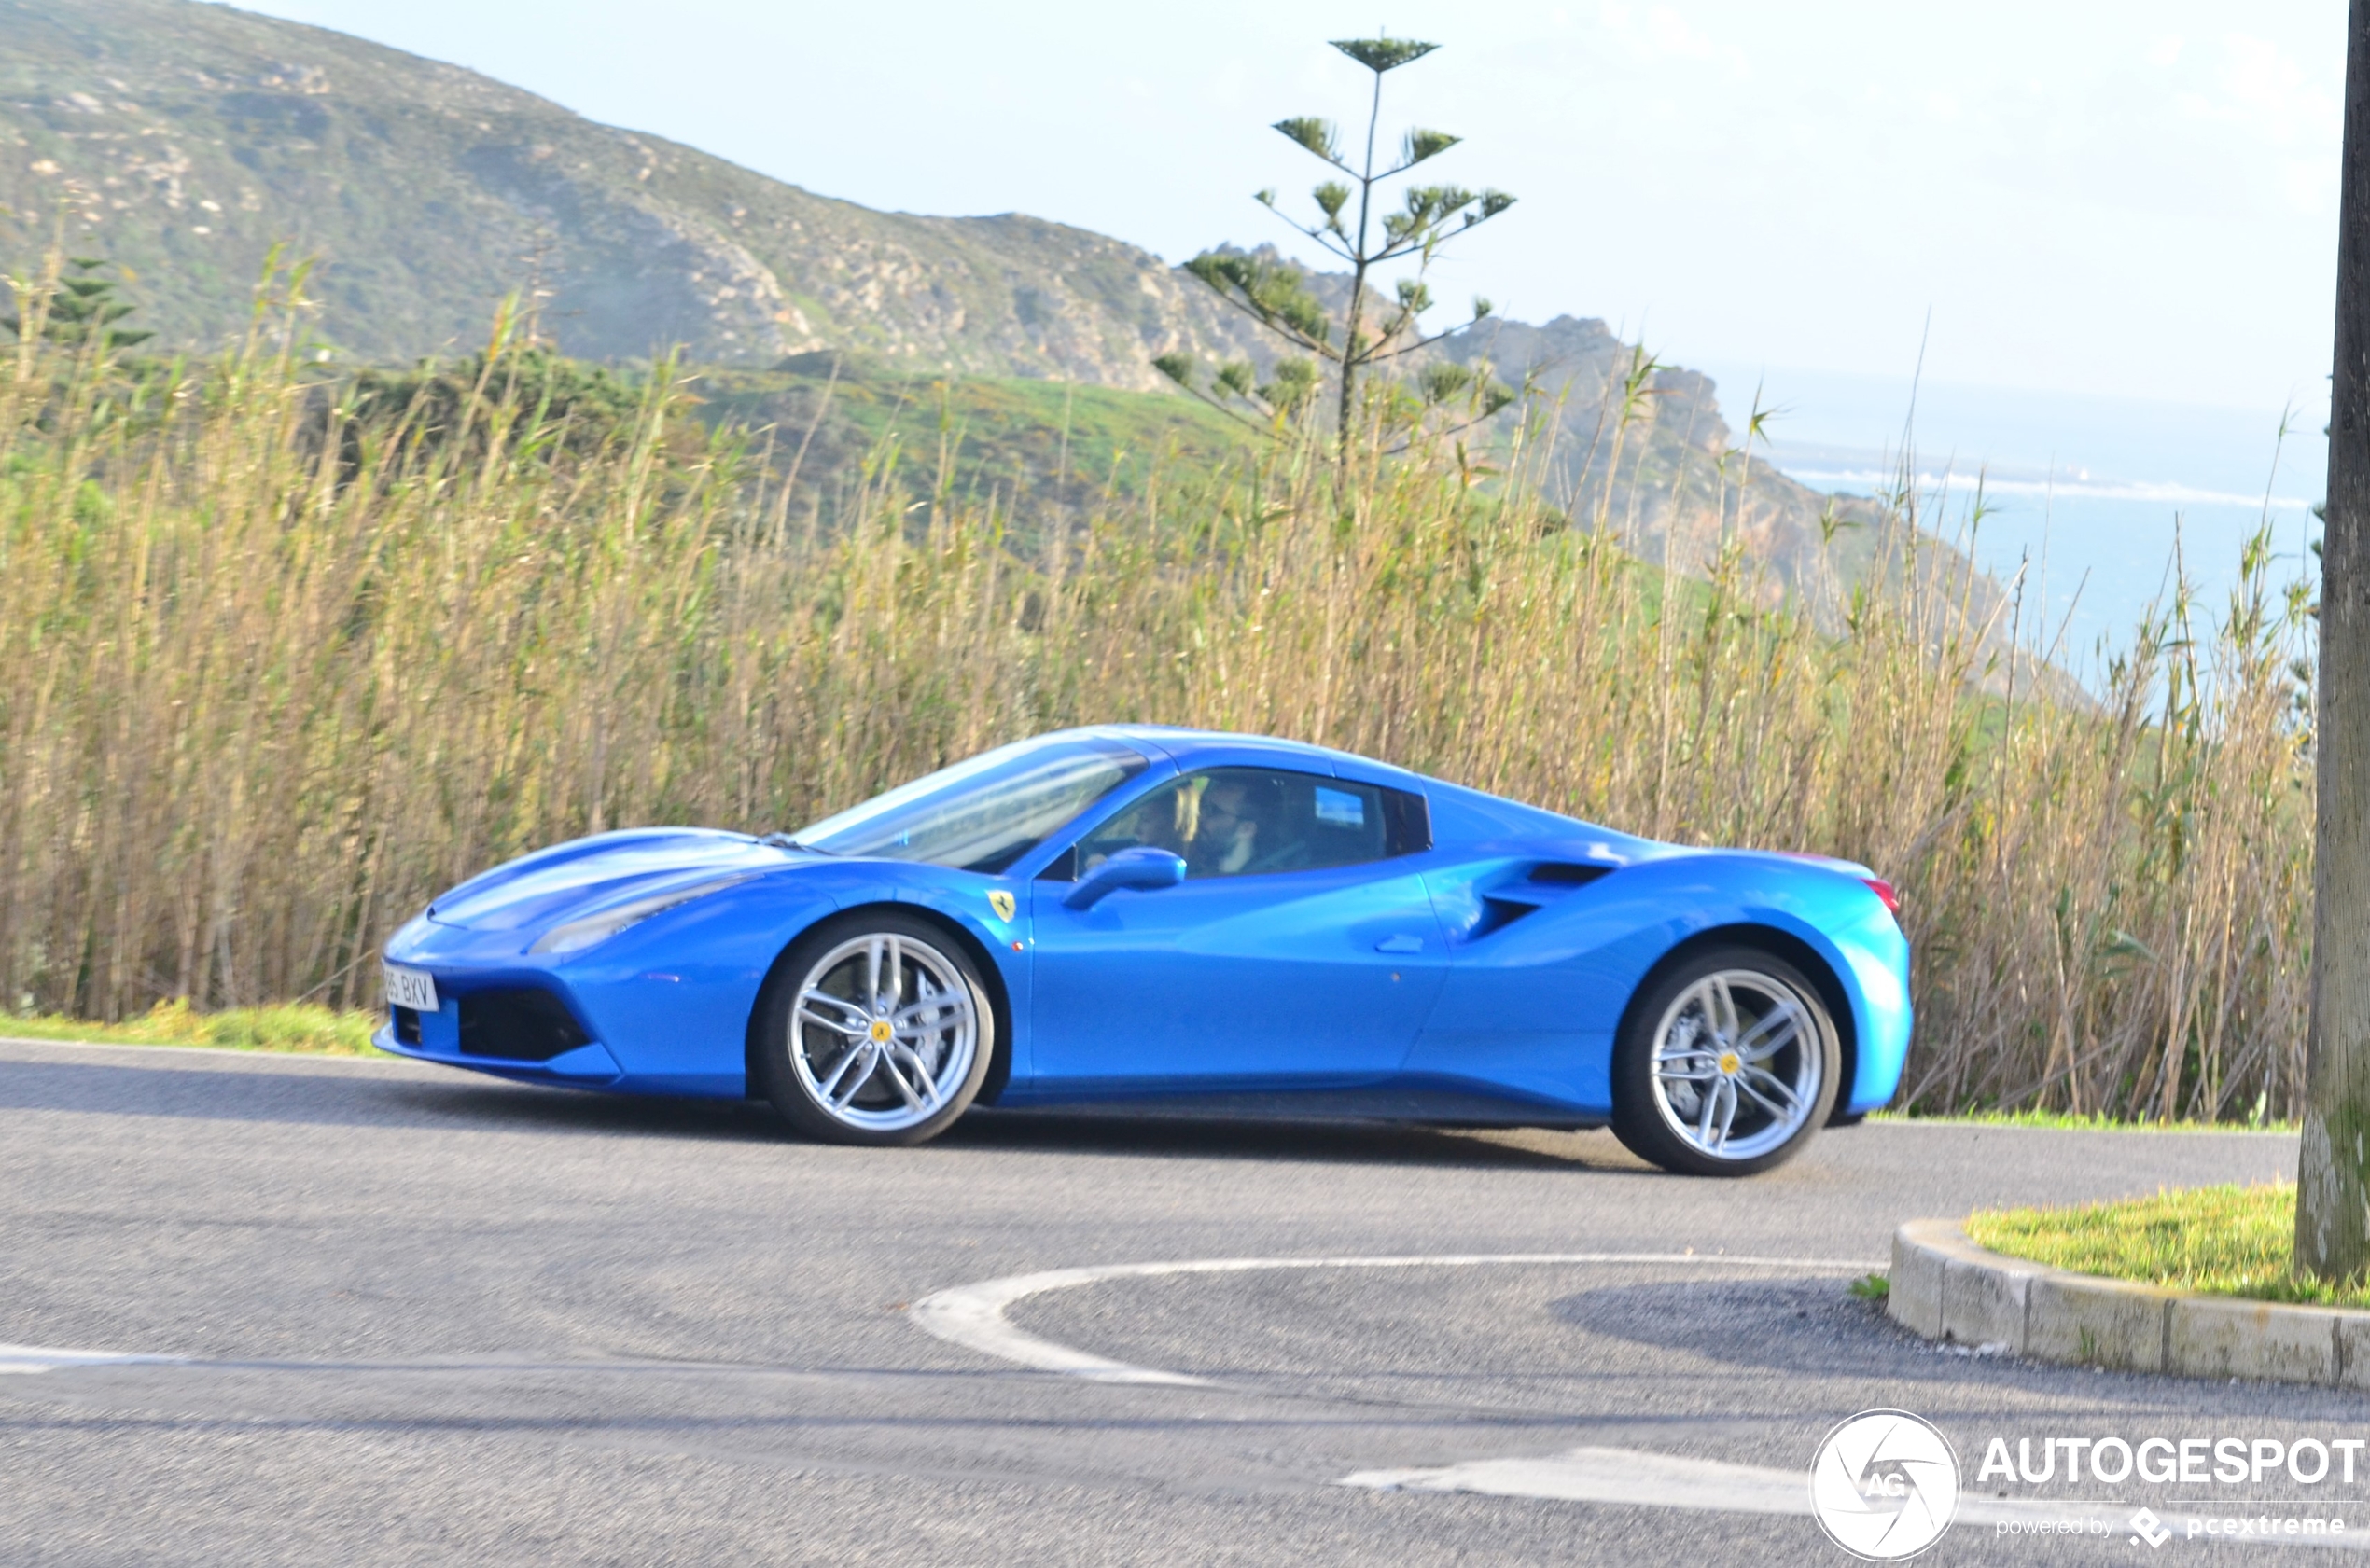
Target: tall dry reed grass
271, 676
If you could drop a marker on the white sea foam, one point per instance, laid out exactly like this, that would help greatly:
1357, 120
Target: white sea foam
2089, 490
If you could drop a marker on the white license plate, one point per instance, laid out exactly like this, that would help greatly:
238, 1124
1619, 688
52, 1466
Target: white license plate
411, 987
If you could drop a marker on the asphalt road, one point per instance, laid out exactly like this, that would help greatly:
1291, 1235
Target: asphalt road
421, 1317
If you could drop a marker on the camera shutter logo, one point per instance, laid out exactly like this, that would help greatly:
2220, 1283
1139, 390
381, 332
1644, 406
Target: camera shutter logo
1885, 1485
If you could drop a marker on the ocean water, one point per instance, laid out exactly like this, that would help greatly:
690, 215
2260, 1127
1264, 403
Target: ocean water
2089, 497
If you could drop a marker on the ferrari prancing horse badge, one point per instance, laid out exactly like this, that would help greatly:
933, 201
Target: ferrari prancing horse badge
1001, 902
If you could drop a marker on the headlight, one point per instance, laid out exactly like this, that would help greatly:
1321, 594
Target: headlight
578, 935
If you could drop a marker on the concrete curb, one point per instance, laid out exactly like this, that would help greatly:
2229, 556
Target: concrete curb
1945, 1287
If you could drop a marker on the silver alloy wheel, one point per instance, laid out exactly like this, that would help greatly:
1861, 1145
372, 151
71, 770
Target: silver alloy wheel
1738, 1063
883, 1032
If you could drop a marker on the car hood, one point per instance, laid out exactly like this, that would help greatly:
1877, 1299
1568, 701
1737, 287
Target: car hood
543, 886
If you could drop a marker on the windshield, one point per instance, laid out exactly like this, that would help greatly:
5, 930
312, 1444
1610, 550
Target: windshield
983, 814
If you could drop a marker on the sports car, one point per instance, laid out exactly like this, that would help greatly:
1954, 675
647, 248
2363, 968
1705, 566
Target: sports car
1173, 920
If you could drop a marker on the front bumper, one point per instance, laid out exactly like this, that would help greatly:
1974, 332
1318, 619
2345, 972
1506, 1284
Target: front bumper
588, 1066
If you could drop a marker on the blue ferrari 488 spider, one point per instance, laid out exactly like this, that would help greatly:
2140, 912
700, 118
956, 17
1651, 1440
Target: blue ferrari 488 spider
1157, 918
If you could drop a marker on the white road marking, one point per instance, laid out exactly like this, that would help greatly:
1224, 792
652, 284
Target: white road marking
43, 1358
1610, 1476
972, 1315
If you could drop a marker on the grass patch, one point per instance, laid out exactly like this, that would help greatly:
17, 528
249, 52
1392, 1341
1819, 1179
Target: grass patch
294, 1026
2092, 1121
2218, 1240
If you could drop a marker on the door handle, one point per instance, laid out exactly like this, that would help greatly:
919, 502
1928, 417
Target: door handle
1400, 944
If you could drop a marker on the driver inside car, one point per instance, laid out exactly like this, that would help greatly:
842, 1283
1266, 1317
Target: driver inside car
1224, 826
1235, 815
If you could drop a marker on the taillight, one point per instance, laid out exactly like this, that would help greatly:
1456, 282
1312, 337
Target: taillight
1883, 889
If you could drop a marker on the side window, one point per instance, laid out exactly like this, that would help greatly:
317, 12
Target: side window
1242, 821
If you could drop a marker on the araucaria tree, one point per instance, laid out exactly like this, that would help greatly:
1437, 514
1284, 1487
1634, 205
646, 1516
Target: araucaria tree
78, 311
1277, 296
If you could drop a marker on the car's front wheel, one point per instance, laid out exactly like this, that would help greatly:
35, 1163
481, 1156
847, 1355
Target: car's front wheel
1727, 1065
878, 1030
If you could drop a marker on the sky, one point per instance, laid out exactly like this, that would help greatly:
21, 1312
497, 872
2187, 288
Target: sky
2088, 196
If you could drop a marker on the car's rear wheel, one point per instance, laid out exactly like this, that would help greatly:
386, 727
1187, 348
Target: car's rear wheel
1728, 1065
878, 1030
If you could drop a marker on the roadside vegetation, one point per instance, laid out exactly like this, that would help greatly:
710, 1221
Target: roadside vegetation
2218, 1240
2086, 1121
284, 653
298, 1027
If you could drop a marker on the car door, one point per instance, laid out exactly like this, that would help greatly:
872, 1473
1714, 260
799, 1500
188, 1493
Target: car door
1300, 951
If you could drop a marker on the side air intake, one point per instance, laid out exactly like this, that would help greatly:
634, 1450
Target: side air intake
1565, 873
526, 1024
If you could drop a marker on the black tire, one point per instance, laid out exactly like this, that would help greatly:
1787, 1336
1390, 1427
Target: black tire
883, 1111
1704, 1068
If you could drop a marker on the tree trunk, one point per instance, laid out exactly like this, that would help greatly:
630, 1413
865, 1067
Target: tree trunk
2333, 1175
1349, 357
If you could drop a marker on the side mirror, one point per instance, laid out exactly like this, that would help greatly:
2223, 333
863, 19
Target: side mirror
1143, 869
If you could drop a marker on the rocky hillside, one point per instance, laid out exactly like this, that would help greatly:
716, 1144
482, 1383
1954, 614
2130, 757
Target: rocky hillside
1646, 453
185, 139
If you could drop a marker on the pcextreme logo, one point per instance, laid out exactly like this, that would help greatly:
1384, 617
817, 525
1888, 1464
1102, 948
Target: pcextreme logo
1885, 1485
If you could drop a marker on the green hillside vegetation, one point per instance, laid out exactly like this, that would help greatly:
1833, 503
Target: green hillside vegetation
1034, 443
844, 430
